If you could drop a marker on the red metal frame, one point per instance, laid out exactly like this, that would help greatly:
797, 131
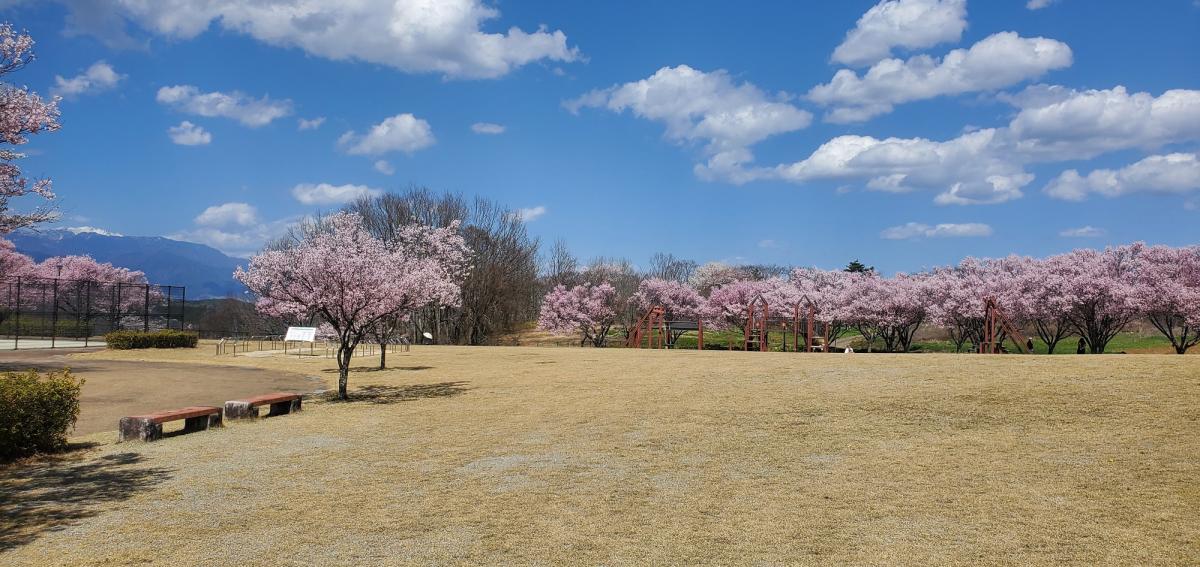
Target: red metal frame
653, 320
995, 325
756, 324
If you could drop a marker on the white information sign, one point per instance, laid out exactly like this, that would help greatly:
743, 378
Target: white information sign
303, 334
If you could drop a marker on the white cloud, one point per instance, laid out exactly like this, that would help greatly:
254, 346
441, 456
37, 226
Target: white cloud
99, 77
910, 24
326, 194
768, 243
437, 36
1060, 124
228, 214
703, 107
233, 228
1082, 232
91, 230
946, 230
384, 166
249, 111
1038, 4
188, 134
310, 123
487, 128
988, 165
1171, 173
997, 61
400, 133
530, 214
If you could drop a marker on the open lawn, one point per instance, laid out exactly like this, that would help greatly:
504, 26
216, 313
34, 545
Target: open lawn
518, 455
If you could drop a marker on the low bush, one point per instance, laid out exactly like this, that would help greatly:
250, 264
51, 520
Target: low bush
125, 340
36, 411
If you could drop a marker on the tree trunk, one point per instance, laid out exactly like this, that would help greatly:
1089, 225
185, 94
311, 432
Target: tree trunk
345, 354
383, 355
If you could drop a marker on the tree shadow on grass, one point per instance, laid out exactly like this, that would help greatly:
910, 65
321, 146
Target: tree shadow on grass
52, 493
377, 394
377, 369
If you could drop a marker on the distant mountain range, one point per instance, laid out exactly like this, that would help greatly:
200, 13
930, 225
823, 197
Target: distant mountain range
204, 270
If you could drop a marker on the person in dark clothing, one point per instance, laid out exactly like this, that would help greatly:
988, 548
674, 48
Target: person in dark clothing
1082, 348
1029, 345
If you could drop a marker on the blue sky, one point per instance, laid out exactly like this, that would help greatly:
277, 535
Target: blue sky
907, 134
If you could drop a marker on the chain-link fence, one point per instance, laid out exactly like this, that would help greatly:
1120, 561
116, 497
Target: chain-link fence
56, 312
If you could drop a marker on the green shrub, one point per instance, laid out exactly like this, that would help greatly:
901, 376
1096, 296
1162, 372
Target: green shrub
36, 411
125, 340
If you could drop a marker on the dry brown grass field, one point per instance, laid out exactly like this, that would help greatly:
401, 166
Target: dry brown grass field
516, 455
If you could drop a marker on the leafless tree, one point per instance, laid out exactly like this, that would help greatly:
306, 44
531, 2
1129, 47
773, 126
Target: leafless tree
666, 266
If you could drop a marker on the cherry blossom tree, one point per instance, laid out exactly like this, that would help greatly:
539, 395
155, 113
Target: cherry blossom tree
891, 309
1167, 291
12, 263
713, 275
22, 114
681, 301
1099, 290
825, 290
352, 280
587, 309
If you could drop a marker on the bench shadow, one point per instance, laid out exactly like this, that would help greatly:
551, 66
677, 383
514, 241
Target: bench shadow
52, 493
377, 394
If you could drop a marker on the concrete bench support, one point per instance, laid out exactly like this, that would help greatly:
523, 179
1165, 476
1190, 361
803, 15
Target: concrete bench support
281, 403
149, 427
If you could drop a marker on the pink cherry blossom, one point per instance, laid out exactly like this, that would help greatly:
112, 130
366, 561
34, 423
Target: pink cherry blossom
587, 309
22, 114
352, 280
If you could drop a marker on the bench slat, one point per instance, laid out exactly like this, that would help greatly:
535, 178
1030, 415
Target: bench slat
173, 415
270, 399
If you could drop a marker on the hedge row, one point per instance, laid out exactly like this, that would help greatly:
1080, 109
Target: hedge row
125, 340
36, 411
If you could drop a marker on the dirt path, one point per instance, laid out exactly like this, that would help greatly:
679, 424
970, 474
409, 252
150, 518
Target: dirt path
115, 389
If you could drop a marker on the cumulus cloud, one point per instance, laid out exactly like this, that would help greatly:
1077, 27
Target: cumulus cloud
384, 166
99, 77
327, 194
909, 24
420, 36
1082, 232
530, 214
1060, 124
913, 230
988, 165
703, 107
1171, 173
1038, 4
228, 214
310, 123
400, 133
188, 134
233, 228
997, 61
487, 128
249, 111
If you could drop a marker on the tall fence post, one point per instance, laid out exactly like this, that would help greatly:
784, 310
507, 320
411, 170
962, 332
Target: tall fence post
17, 318
146, 311
54, 317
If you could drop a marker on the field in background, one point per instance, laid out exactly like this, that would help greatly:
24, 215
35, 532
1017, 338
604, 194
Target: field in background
618, 456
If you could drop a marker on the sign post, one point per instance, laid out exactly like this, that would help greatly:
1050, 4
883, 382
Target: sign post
300, 335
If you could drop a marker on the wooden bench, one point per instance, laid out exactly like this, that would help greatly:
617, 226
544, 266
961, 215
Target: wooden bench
149, 427
281, 403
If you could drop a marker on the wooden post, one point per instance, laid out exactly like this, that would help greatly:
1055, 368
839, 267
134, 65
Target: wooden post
700, 329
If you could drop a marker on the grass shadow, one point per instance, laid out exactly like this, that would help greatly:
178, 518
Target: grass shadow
378, 394
52, 493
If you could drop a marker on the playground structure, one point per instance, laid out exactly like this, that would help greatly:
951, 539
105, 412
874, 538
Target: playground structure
996, 328
653, 330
